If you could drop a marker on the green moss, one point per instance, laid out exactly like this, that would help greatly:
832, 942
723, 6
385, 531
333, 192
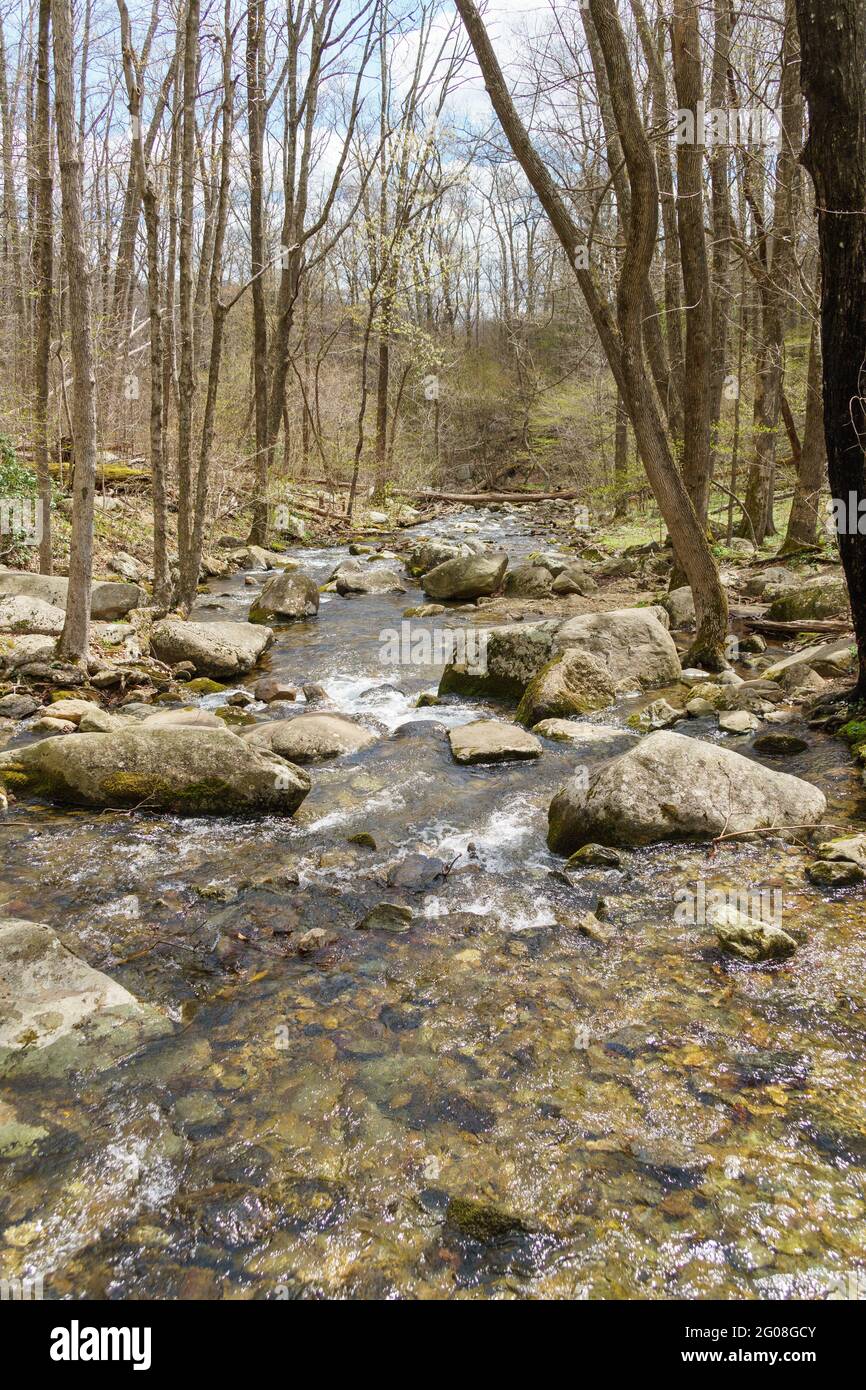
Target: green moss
203, 686
134, 788
209, 796
480, 1221
854, 731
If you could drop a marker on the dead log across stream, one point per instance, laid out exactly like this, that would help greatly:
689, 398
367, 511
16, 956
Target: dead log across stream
753, 616
481, 499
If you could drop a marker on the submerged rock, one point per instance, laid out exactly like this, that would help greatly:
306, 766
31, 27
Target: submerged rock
749, 939
311, 738
291, 594
674, 787
392, 917
492, 741
601, 738
835, 873
352, 578
188, 771
215, 649
58, 1014
778, 745
466, 577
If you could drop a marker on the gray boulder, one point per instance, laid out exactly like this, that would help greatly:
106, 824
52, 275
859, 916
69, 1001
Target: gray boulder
186, 771
632, 643
310, 738
680, 606
528, 581
823, 597
108, 599
215, 649
18, 613
574, 579
466, 577
674, 787
290, 594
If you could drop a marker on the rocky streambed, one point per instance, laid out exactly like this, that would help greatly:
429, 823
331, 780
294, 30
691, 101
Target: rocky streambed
395, 1045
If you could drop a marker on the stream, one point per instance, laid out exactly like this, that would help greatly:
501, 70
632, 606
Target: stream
486, 1104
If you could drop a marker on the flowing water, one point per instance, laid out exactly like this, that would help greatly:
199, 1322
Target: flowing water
641, 1119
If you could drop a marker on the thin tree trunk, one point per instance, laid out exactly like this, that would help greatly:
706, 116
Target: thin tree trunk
43, 256
812, 466
74, 639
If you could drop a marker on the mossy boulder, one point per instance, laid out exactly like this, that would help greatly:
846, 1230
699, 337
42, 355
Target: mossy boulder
288, 596
574, 682
189, 771
816, 598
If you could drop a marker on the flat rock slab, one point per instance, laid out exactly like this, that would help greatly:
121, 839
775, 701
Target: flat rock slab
492, 741
199, 772
600, 738
215, 649
57, 1013
311, 738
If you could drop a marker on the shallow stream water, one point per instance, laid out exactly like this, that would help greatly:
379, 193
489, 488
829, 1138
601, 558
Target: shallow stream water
641, 1119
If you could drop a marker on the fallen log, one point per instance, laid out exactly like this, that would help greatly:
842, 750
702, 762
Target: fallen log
753, 616
480, 499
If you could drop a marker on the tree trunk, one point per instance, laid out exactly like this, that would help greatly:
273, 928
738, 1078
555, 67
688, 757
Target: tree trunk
833, 74
697, 457
812, 466
43, 256
623, 347
74, 639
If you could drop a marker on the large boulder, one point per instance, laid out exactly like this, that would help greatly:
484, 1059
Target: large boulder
58, 1014
215, 649
680, 607
822, 597
310, 738
515, 653
492, 741
18, 613
290, 594
428, 554
466, 577
528, 581
108, 599
574, 579
674, 787
187, 771
830, 659
182, 719
352, 578
574, 682
632, 643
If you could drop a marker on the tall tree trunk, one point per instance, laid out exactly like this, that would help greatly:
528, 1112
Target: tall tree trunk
833, 74
697, 457
187, 371
256, 72
812, 465
43, 256
623, 346
75, 636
